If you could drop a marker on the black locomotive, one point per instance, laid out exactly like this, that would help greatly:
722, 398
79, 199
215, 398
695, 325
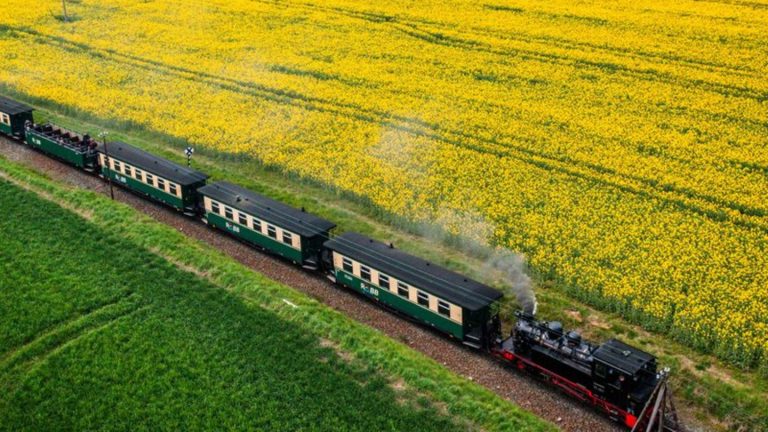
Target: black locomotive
615, 377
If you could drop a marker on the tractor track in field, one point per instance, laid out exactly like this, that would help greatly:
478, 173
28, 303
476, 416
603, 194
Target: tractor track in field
522, 390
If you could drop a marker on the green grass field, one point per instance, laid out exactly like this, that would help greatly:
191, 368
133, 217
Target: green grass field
96, 333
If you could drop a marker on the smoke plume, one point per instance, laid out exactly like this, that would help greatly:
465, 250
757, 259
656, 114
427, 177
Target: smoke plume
513, 267
464, 229
469, 232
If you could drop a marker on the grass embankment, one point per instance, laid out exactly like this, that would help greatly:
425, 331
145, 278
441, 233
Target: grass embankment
719, 395
113, 321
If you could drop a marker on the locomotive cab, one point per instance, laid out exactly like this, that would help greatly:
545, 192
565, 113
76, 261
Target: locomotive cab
623, 375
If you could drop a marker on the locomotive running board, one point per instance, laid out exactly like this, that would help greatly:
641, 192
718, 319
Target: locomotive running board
659, 413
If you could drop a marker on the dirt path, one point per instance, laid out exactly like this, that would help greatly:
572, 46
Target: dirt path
511, 385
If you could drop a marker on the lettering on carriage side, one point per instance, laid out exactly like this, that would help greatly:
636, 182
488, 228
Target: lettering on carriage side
121, 178
346, 276
233, 227
373, 291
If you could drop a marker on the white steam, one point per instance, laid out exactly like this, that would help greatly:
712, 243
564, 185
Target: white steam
469, 232
465, 229
512, 267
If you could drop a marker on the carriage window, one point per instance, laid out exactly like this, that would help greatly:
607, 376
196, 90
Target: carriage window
128, 171
243, 219
402, 289
365, 273
384, 281
272, 231
161, 184
228, 213
346, 263
117, 165
423, 298
287, 238
150, 179
443, 308
257, 225
138, 174
174, 189
215, 207
5, 119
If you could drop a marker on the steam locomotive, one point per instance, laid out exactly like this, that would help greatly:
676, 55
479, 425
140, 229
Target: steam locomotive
615, 377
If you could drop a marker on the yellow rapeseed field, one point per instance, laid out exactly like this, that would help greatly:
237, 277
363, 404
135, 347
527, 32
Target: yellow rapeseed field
623, 146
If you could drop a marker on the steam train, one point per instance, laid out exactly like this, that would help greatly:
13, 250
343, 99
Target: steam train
616, 378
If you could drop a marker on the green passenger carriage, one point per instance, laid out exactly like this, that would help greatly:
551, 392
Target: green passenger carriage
281, 229
450, 302
75, 149
145, 173
13, 117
